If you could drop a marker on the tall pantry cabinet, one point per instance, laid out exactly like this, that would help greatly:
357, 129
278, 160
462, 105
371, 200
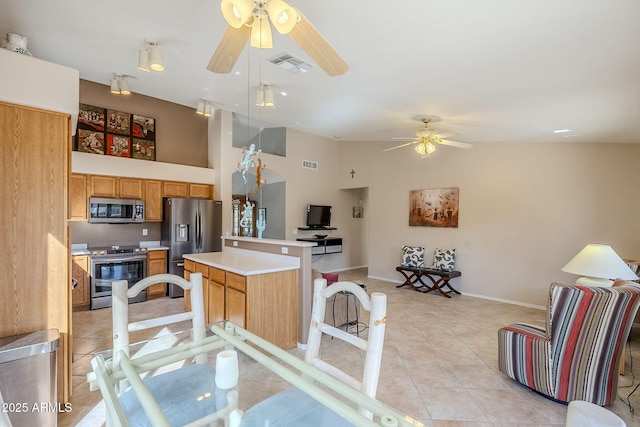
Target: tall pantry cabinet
38, 104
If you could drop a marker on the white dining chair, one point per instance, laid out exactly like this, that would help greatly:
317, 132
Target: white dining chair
176, 391
294, 408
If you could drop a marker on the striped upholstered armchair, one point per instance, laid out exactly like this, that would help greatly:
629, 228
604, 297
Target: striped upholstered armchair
577, 356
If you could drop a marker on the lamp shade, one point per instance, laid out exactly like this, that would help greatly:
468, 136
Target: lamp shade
115, 87
261, 33
236, 12
143, 60
155, 58
599, 262
124, 86
200, 109
268, 97
283, 16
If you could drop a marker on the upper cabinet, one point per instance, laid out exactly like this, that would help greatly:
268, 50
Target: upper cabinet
82, 186
77, 197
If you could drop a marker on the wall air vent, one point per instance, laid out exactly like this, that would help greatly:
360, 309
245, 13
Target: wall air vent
290, 63
309, 164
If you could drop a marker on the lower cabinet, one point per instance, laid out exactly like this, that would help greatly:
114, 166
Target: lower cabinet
80, 282
156, 264
264, 304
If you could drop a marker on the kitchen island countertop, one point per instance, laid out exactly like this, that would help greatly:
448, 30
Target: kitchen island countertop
240, 264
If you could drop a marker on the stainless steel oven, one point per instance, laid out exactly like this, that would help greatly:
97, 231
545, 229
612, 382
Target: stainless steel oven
114, 264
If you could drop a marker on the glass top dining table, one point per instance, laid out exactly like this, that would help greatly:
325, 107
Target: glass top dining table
257, 359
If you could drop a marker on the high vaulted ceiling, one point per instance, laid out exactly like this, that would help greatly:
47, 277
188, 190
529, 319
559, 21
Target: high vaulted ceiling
490, 71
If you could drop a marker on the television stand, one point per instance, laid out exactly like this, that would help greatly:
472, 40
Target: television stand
316, 228
326, 245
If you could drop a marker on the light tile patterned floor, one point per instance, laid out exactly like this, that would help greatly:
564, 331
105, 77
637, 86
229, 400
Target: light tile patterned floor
439, 364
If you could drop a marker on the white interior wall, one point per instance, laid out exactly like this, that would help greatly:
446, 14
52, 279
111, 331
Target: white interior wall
525, 209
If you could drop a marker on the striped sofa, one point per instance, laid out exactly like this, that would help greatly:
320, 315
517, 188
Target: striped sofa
577, 356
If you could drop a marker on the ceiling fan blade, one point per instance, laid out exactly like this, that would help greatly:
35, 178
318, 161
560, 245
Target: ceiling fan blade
405, 139
229, 49
455, 143
317, 47
445, 135
401, 145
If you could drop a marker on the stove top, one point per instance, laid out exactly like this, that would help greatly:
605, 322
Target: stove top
117, 250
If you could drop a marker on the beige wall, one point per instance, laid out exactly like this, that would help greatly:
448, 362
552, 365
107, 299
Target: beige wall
525, 209
181, 133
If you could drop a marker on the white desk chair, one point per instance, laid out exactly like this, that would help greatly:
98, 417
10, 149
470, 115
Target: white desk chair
174, 391
303, 410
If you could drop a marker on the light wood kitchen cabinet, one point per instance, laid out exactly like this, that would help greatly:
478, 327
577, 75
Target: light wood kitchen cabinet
265, 304
80, 282
103, 186
156, 264
77, 197
152, 200
175, 189
130, 188
200, 191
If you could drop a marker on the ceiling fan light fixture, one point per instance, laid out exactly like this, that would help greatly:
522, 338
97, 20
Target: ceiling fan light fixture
236, 12
282, 15
261, 36
268, 97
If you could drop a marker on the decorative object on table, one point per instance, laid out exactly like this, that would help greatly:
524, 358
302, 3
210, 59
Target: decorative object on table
246, 222
226, 369
577, 355
235, 203
358, 212
16, 43
261, 222
437, 207
444, 259
599, 265
302, 409
412, 256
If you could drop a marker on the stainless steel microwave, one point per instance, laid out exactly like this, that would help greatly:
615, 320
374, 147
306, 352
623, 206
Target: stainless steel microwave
110, 211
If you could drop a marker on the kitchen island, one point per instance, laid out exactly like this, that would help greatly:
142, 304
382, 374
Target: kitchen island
258, 294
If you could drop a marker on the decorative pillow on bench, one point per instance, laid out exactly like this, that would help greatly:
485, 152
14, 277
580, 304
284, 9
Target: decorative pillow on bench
444, 259
412, 256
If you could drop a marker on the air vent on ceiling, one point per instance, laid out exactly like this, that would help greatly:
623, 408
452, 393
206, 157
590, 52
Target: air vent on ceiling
309, 164
290, 63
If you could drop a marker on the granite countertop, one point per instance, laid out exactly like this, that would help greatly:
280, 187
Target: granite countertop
240, 264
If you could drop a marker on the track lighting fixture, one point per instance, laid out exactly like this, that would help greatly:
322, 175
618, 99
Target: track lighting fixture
204, 108
264, 97
150, 57
120, 85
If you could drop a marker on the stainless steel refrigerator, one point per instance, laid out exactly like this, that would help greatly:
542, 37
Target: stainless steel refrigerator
189, 226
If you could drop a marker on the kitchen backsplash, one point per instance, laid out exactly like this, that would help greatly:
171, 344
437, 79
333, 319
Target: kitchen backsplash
98, 235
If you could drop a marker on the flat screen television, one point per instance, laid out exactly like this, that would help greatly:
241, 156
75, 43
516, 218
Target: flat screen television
318, 216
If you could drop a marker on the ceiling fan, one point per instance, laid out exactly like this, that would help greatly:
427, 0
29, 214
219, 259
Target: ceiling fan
426, 139
249, 19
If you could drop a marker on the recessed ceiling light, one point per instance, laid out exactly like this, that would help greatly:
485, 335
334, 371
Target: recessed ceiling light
562, 130
283, 93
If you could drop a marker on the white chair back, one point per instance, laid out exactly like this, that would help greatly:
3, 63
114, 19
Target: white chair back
376, 305
120, 309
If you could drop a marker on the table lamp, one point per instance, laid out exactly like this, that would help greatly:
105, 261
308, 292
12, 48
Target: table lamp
598, 264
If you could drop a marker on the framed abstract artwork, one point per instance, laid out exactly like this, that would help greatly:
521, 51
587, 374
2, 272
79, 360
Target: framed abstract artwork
118, 145
118, 122
437, 207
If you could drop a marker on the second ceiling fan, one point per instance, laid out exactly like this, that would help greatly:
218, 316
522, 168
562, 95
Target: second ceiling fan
427, 137
249, 19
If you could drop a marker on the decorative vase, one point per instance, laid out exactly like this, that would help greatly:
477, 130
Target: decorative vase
16, 43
